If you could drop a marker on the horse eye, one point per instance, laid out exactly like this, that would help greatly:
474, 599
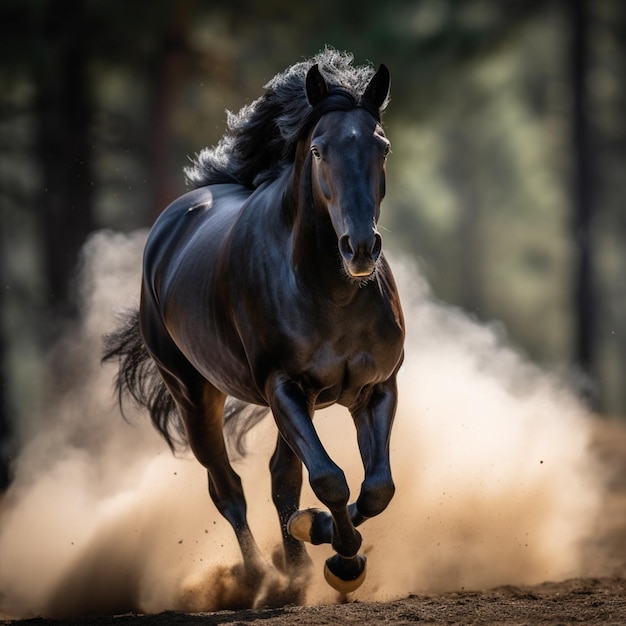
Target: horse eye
315, 152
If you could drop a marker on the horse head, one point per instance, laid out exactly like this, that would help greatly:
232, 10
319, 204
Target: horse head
348, 153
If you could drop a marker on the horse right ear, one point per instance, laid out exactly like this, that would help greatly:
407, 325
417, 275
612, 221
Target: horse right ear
316, 87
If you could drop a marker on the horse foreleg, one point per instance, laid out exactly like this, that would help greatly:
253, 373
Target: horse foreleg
373, 423
346, 570
315, 526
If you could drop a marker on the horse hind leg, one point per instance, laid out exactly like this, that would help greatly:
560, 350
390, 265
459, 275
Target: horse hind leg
201, 407
286, 472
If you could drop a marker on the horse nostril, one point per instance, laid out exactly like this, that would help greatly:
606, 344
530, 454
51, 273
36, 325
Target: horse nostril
377, 247
345, 247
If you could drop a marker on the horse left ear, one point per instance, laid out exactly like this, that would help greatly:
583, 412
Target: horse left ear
378, 89
316, 87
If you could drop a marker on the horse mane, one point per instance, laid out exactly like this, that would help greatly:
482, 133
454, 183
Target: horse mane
261, 138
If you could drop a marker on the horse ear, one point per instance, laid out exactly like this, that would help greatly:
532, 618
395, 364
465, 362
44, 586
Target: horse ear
316, 87
378, 89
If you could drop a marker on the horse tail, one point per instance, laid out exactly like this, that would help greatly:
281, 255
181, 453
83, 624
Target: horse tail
239, 419
139, 378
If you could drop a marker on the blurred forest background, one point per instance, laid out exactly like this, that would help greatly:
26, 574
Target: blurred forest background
506, 183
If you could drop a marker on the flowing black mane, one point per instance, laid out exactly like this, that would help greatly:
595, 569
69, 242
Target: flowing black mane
261, 138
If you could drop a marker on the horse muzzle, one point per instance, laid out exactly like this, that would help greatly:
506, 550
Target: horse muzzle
360, 257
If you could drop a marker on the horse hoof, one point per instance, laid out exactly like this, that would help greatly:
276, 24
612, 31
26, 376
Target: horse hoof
300, 524
345, 575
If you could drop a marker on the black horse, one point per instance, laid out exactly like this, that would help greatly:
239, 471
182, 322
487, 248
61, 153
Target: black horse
266, 285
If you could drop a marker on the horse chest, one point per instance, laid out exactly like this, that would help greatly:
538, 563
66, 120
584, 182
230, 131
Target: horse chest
334, 377
337, 370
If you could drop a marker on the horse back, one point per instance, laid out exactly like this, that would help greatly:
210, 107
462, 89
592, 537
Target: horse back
211, 208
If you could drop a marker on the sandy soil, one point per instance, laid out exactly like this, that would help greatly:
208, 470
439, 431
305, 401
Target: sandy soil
578, 601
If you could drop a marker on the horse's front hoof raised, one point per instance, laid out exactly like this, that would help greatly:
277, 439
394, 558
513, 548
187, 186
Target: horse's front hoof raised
311, 525
345, 574
300, 524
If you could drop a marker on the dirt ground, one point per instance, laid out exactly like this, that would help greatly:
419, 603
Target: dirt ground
578, 601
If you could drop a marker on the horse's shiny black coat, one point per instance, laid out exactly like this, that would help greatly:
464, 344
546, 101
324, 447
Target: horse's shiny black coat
277, 293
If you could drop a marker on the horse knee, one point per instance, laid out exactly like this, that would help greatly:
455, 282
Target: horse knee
375, 497
331, 487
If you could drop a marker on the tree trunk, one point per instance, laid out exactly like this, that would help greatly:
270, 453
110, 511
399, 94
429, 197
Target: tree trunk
165, 76
582, 189
64, 150
5, 424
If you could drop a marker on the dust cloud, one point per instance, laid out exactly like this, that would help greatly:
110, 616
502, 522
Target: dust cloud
495, 480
